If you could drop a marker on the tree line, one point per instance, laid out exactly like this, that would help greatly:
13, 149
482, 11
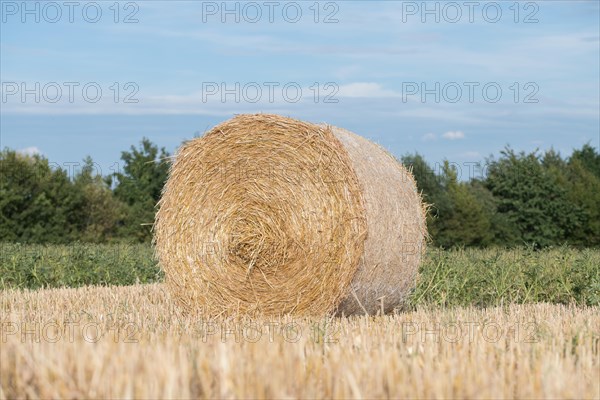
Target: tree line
536, 199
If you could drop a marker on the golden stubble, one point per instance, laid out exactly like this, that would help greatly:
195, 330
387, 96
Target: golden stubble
131, 342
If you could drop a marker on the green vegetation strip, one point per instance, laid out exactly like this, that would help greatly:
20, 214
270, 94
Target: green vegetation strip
458, 277
77, 264
492, 277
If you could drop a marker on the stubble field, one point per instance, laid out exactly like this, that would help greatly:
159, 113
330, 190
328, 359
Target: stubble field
129, 341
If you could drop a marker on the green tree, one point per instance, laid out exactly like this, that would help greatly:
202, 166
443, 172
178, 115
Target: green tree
37, 203
100, 217
589, 159
431, 188
531, 197
139, 186
466, 222
456, 216
582, 181
502, 232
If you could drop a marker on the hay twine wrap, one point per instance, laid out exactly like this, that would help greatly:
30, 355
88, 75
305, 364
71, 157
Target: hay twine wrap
270, 215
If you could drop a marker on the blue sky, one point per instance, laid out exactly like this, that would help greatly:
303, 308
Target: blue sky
376, 58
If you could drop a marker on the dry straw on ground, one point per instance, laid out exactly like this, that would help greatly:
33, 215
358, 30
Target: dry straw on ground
129, 343
270, 215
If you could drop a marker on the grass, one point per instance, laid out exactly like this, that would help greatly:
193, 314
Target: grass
493, 277
461, 277
75, 265
129, 342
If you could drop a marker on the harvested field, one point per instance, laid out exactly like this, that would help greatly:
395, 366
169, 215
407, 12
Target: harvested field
118, 342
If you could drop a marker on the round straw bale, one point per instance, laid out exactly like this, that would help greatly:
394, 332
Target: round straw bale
270, 215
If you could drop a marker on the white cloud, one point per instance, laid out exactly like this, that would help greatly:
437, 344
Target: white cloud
29, 151
347, 71
428, 137
453, 135
365, 90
